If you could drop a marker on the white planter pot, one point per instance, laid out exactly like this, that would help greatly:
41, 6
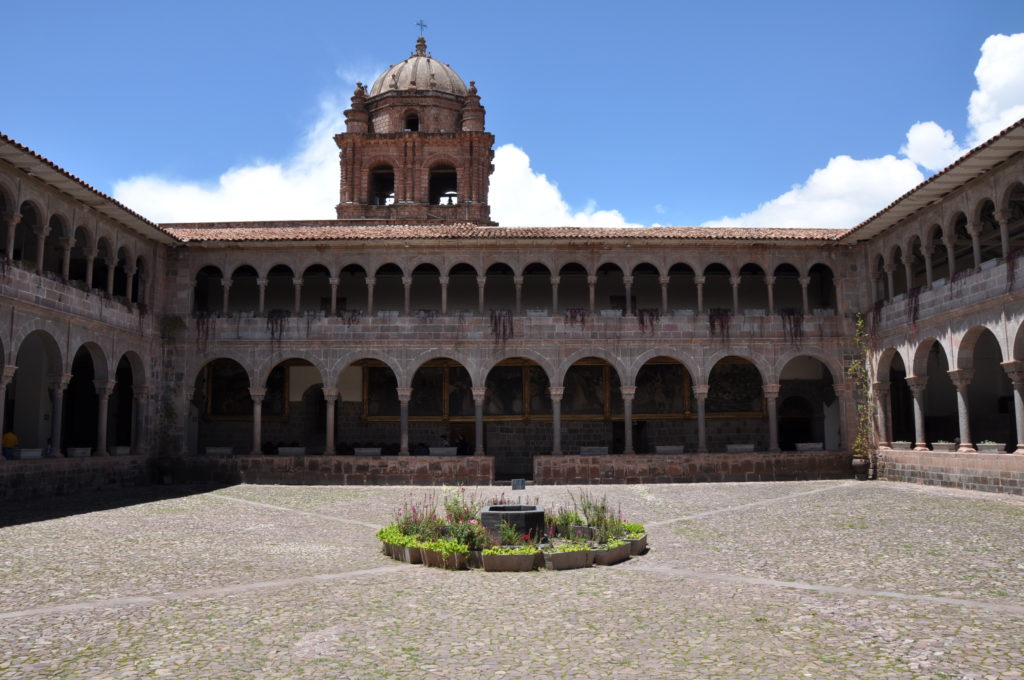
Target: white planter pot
120, 450
810, 446
675, 449
291, 450
739, 448
26, 454
218, 451
593, 450
79, 451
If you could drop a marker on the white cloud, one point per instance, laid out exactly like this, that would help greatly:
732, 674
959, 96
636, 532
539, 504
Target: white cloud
520, 197
999, 100
930, 146
841, 194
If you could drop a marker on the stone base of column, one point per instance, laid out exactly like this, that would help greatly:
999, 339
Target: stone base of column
921, 446
966, 448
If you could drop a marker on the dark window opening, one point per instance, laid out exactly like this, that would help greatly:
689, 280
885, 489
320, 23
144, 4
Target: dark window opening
444, 186
382, 186
412, 123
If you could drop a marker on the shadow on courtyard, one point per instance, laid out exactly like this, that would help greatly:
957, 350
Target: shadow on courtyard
40, 509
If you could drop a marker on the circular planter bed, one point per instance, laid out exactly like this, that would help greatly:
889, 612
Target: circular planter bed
609, 556
575, 559
527, 562
527, 519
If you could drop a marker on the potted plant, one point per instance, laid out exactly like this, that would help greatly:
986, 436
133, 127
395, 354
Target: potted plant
636, 536
512, 558
568, 555
612, 551
865, 450
989, 446
901, 445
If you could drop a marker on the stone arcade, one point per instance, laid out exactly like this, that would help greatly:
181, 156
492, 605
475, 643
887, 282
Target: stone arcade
411, 340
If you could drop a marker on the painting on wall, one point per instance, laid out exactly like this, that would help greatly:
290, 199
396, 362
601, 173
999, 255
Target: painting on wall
227, 391
381, 396
735, 388
660, 389
504, 395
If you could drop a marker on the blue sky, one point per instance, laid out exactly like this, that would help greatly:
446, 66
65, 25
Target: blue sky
671, 113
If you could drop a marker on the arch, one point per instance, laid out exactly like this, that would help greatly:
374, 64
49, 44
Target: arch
573, 288
315, 296
821, 290
443, 183
380, 183
29, 402
25, 239
140, 282
898, 266
763, 368
124, 257
98, 357
53, 246
590, 352
537, 290
807, 377
434, 355
244, 295
610, 290
266, 367
634, 368
208, 291
963, 247
279, 293
718, 288
80, 426
990, 393
918, 268
412, 120
78, 266
926, 347
389, 289
934, 245
222, 406
989, 231
964, 356
880, 276
736, 394
504, 354
753, 288
682, 289
499, 287
353, 293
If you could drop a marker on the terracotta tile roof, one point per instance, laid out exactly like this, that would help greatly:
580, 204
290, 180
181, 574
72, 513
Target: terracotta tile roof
27, 160
331, 230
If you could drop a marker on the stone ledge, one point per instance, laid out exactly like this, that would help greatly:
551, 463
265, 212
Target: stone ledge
993, 472
21, 479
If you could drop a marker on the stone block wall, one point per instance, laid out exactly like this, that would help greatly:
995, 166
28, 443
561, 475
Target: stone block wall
998, 472
21, 479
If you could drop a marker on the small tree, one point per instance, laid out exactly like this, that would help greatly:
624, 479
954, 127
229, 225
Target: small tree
860, 379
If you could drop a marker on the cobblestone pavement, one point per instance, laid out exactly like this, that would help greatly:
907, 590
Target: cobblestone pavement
763, 580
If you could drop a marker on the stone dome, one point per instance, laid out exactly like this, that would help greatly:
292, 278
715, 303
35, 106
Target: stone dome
419, 72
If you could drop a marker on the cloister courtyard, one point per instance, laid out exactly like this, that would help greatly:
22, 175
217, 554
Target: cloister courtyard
819, 579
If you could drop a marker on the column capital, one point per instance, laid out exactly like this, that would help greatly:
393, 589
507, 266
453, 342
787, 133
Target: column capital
404, 394
664, 279
7, 375
11, 218
60, 381
104, 387
701, 391
481, 280
591, 279
555, 280
478, 394
842, 388
973, 228
42, 229
627, 280
961, 377
443, 280
330, 393
406, 281
917, 384
698, 280
334, 280
226, 283
91, 253
880, 388
735, 280
371, 281
257, 393
517, 280
628, 392
1014, 371
556, 392
261, 281
771, 390
805, 281
1001, 216
297, 281
769, 280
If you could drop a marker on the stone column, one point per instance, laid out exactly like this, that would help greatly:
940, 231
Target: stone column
592, 287
770, 283
628, 392
554, 294
1003, 219
890, 279
881, 391
41, 235
771, 395
961, 379
111, 266
481, 287
257, 394
734, 281
908, 273
805, 281
917, 386
297, 289
65, 263
699, 281
225, 284
58, 384
556, 391
478, 414
975, 231
129, 273
950, 256
334, 281
370, 283
517, 281
404, 394
846, 406
701, 393
138, 441
927, 251
5, 379
407, 292
11, 219
103, 390
664, 281
1015, 371
331, 401
444, 295
628, 283
262, 284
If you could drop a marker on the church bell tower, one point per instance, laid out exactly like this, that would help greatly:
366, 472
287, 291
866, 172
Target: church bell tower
414, 150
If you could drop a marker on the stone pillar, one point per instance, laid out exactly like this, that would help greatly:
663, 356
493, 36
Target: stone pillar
404, 394
770, 282
334, 281
103, 390
257, 394
592, 287
734, 281
628, 392
370, 283
226, 285
58, 384
137, 441
331, 400
90, 265
129, 273
1015, 371
481, 287
111, 266
444, 295
556, 391
950, 255
11, 219
262, 284
407, 292
1003, 219
65, 262
961, 379
927, 251
41, 235
701, 393
517, 281
5, 379
975, 231
554, 294
881, 391
846, 408
664, 281
890, 279
805, 281
699, 281
297, 290
478, 423
917, 386
771, 395
628, 282
908, 273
